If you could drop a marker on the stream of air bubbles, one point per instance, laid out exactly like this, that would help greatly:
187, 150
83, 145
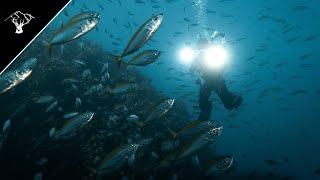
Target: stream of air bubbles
200, 9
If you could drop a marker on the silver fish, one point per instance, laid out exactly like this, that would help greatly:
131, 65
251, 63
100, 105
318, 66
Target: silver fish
193, 127
144, 58
93, 89
79, 62
42, 162
155, 155
86, 73
28, 65
81, 46
52, 106
133, 118
5, 132
44, 99
62, 49
117, 158
105, 77
6, 125
78, 102
76, 27
70, 115
195, 161
121, 88
142, 35
196, 143
11, 79
158, 111
218, 165
74, 87
169, 145
52, 133
71, 126
104, 67
145, 142
67, 81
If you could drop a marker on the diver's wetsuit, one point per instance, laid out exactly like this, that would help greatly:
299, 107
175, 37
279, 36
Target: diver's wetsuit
216, 83
212, 81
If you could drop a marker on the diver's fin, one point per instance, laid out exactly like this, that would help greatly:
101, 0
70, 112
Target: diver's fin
173, 133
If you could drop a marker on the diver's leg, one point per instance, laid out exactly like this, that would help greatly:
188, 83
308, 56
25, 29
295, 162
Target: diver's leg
205, 104
229, 99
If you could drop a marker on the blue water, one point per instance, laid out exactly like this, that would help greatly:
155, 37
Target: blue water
264, 130
279, 125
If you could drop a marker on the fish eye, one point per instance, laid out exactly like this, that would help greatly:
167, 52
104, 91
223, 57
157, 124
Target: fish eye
155, 19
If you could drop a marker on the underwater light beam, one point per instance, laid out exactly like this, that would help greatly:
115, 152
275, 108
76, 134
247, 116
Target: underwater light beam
186, 55
201, 15
215, 57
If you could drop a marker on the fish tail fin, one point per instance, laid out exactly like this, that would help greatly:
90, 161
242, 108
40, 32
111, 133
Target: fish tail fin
173, 133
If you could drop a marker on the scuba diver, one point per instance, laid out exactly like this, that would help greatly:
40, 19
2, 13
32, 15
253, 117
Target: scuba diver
211, 80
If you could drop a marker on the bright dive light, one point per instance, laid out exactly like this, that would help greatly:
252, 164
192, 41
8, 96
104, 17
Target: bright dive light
186, 55
215, 57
